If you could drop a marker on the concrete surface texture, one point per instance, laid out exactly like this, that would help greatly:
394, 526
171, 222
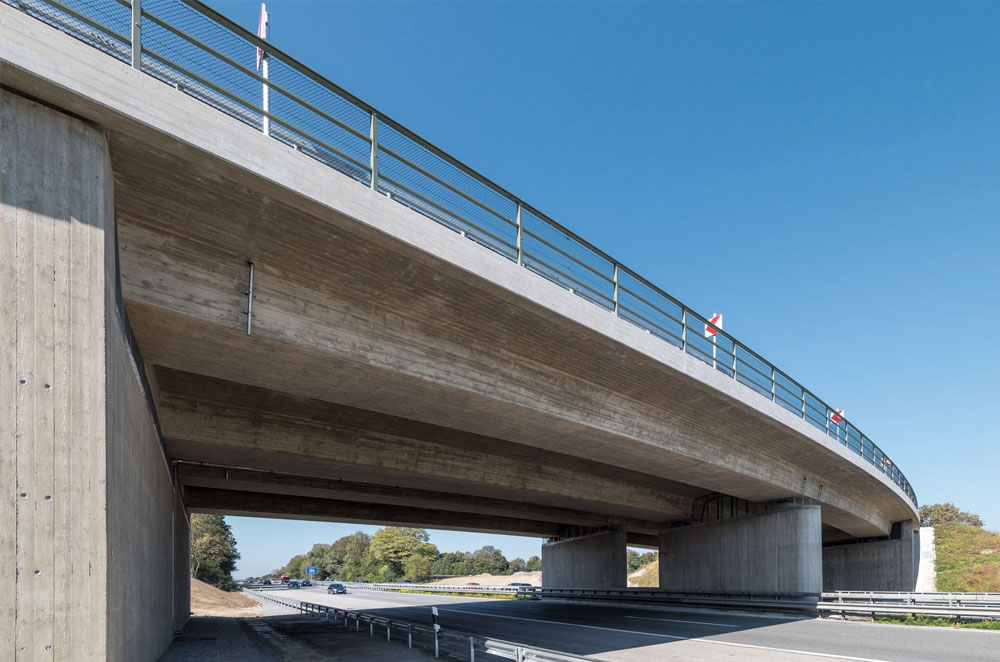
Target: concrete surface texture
596, 560
776, 550
280, 634
641, 634
378, 330
881, 565
94, 527
926, 572
396, 372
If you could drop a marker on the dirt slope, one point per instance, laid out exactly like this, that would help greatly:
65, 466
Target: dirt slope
206, 600
533, 578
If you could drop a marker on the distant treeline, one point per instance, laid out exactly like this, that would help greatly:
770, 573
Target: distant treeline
395, 553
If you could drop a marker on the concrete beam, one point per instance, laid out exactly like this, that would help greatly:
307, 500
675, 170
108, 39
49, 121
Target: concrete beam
250, 480
285, 433
256, 504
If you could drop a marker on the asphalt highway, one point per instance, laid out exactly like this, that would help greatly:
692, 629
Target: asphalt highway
641, 634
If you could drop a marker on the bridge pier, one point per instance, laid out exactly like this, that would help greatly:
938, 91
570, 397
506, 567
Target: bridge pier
885, 564
592, 560
772, 551
90, 518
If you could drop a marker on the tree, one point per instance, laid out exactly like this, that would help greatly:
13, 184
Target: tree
516, 565
392, 546
349, 557
452, 563
489, 559
534, 564
634, 560
213, 550
941, 513
417, 568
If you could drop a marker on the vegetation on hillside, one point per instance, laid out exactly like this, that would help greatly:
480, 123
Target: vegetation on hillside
940, 622
968, 558
647, 576
213, 550
944, 513
634, 560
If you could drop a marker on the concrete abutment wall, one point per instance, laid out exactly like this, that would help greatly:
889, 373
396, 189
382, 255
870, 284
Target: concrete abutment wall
776, 551
879, 565
596, 560
88, 513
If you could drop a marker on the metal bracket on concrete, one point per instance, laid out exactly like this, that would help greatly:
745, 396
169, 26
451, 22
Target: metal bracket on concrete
249, 294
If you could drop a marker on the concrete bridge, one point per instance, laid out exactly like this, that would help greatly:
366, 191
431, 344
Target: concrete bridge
201, 317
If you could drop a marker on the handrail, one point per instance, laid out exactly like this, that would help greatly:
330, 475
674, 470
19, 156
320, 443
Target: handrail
320, 128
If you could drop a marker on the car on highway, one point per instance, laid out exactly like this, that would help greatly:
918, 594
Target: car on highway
404, 581
306, 582
518, 584
472, 584
293, 583
336, 587
267, 582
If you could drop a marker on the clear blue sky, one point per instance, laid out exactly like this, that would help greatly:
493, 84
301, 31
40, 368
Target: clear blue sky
825, 174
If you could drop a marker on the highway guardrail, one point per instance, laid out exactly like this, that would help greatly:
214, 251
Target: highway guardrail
793, 603
438, 588
977, 606
198, 51
464, 641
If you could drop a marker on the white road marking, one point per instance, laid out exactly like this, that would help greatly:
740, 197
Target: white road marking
671, 636
674, 620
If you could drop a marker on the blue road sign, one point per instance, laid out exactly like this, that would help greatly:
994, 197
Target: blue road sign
312, 570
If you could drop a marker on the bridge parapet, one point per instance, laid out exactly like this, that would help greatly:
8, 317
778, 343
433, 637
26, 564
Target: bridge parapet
199, 51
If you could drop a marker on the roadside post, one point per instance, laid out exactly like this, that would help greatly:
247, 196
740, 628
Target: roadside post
437, 630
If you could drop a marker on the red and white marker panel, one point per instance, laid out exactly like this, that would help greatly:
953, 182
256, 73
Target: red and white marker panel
715, 319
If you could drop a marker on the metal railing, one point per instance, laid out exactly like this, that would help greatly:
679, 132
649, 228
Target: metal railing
974, 606
463, 641
439, 588
200, 52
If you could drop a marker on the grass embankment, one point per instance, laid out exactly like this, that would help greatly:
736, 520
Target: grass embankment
940, 622
968, 559
648, 576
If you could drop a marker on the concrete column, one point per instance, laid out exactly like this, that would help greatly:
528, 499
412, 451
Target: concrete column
85, 510
888, 564
775, 551
595, 560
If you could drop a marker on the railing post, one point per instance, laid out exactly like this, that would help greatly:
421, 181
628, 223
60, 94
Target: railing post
616, 288
684, 329
772, 384
137, 34
373, 159
437, 650
520, 237
472, 649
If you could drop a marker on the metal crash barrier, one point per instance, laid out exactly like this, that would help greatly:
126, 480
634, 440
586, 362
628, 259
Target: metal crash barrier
471, 644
